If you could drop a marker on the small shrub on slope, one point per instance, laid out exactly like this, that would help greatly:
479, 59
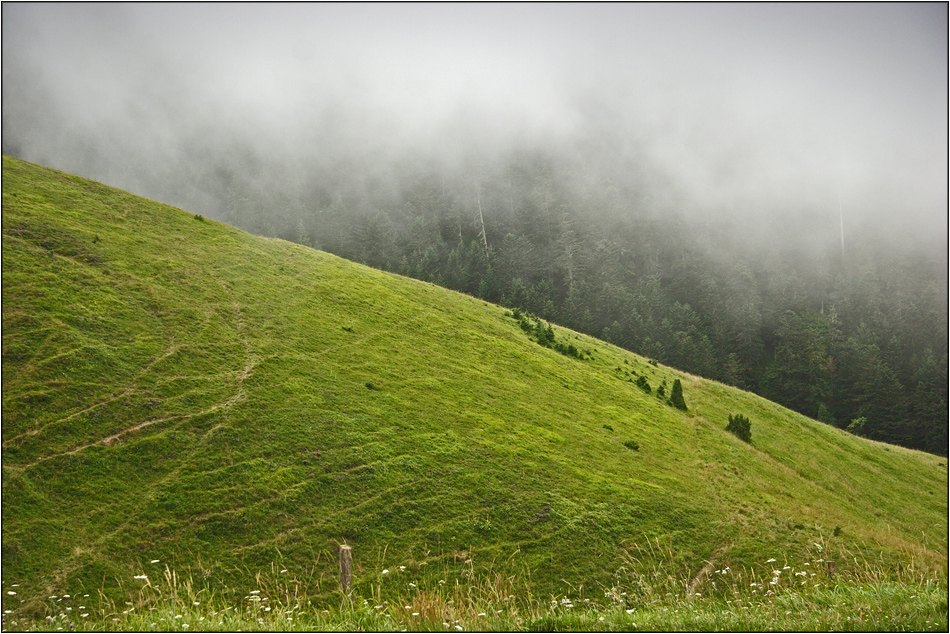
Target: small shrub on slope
740, 426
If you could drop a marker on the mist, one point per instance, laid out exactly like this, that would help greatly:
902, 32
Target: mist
757, 116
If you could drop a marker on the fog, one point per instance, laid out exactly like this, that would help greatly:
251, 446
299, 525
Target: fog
750, 113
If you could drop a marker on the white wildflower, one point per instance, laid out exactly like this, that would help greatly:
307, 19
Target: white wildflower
770, 561
154, 561
385, 572
630, 611
11, 593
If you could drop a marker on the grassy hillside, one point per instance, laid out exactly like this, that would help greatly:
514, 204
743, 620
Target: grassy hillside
232, 406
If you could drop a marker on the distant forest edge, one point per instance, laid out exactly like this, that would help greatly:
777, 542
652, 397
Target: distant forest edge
853, 335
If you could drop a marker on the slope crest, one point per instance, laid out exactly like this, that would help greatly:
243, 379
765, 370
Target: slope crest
176, 389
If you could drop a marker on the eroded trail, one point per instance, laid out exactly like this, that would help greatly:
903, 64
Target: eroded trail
239, 394
128, 391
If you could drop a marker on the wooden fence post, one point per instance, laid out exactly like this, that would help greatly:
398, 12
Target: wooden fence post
830, 567
346, 570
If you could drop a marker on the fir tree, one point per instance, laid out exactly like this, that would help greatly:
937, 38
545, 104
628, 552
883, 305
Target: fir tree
676, 396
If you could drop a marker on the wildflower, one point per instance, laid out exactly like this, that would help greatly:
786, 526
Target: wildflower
385, 572
255, 591
601, 619
481, 614
283, 571
11, 593
770, 561
140, 577
408, 607
441, 582
786, 567
415, 614
402, 567
154, 561
630, 611
412, 585
458, 628
197, 603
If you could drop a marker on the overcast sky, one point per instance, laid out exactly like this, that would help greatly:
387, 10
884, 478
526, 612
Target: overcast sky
743, 106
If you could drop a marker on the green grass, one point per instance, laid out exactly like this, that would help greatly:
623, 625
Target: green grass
176, 389
492, 601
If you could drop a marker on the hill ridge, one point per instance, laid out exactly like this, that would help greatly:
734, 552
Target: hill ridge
265, 402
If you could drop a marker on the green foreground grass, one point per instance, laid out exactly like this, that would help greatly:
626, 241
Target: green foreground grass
177, 390
774, 598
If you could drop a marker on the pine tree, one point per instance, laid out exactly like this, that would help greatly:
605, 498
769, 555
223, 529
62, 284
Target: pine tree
676, 396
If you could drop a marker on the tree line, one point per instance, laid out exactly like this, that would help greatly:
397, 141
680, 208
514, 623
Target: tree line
856, 337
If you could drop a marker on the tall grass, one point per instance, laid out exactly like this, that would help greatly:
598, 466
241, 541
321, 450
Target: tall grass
771, 596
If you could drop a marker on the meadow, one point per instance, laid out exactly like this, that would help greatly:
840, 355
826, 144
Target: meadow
229, 407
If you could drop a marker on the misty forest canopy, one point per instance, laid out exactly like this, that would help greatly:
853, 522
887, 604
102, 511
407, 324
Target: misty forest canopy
856, 338
754, 193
